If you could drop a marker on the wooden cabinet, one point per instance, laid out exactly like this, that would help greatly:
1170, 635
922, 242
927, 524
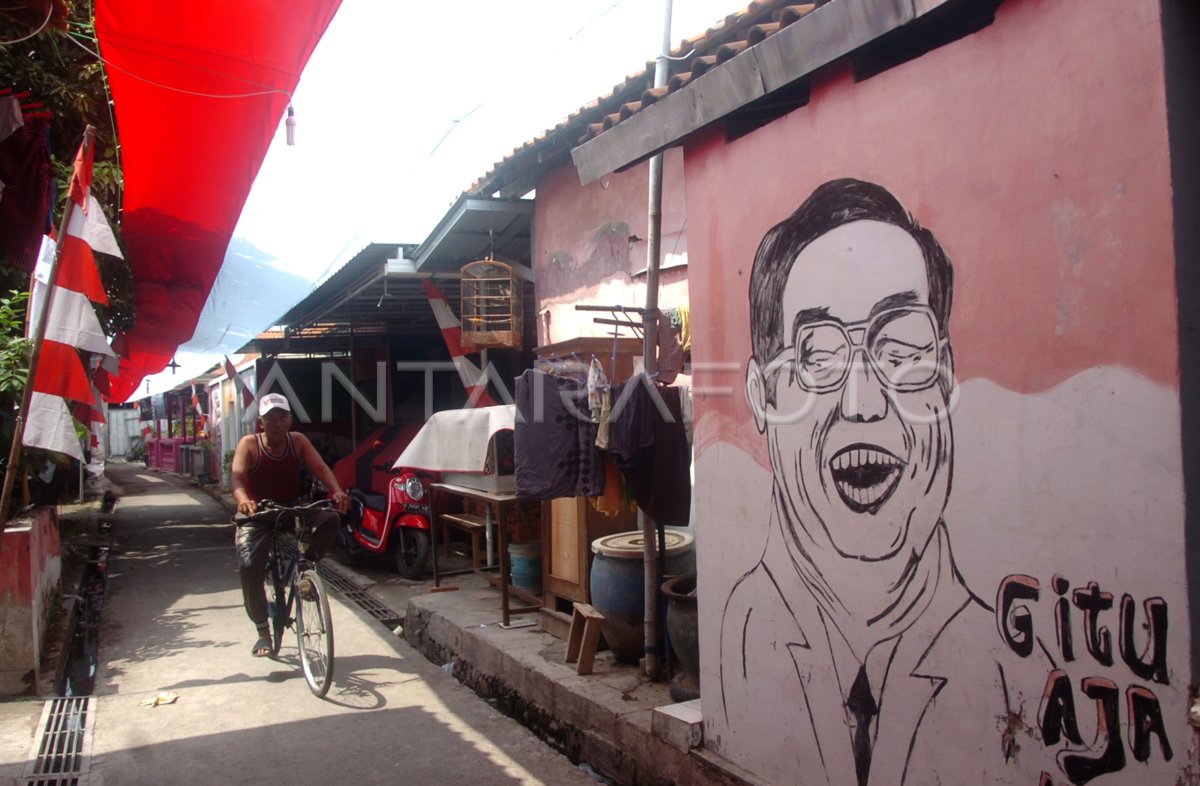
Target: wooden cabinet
569, 525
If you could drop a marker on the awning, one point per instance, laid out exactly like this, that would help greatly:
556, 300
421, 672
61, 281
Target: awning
479, 228
379, 291
199, 88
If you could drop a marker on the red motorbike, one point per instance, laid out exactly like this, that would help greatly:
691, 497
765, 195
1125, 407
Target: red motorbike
395, 525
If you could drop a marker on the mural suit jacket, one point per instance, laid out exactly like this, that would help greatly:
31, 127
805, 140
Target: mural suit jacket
944, 704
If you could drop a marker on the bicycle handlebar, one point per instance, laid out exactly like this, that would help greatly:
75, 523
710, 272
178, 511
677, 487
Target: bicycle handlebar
265, 506
270, 505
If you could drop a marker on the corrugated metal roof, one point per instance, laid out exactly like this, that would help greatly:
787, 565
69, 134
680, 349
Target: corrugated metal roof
363, 298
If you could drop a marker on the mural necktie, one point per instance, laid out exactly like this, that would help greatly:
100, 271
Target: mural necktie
862, 706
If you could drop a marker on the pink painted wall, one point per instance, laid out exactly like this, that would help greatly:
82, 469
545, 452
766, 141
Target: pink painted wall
1036, 152
30, 571
583, 251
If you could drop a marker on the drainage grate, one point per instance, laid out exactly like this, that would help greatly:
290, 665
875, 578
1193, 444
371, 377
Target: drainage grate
61, 753
357, 595
340, 583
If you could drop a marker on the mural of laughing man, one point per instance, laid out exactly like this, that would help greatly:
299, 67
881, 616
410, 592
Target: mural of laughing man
853, 652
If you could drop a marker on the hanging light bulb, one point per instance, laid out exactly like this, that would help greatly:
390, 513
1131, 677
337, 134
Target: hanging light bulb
291, 126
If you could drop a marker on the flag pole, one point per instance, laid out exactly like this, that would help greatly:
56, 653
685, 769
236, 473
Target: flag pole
35, 353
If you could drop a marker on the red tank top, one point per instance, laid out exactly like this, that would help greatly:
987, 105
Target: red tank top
275, 477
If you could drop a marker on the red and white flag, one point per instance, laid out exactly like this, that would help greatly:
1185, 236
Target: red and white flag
96, 412
71, 324
472, 377
88, 231
239, 383
50, 426
73, 318
198, 409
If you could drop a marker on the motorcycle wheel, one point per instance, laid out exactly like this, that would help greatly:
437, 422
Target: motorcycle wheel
412, 552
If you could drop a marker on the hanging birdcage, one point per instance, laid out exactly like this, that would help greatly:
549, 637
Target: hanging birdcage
492, 306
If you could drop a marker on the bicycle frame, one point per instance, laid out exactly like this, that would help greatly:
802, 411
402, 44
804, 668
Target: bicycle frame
285, 572
282, 572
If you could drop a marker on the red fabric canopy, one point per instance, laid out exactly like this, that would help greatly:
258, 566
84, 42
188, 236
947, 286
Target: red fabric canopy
199, 88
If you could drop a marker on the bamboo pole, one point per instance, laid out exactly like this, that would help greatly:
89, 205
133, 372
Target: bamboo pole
650, 562
35, 354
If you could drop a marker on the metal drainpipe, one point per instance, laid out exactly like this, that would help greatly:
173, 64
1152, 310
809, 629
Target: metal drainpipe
650, 359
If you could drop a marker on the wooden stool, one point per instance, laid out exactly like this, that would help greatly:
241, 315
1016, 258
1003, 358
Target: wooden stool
473, 525
584, 636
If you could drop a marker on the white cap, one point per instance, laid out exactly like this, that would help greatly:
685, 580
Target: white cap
272, 401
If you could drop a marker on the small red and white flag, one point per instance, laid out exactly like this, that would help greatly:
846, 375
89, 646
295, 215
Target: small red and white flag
239, 383
88, 231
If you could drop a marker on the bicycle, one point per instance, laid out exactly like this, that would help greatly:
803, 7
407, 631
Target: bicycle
286, 569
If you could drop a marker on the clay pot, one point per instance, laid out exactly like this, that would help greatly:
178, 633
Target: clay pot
684, 629
617, 586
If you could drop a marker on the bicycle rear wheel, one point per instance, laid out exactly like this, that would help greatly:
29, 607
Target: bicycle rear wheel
314, 634
276, 603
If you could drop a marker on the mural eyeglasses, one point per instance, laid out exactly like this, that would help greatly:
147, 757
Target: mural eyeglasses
901, 345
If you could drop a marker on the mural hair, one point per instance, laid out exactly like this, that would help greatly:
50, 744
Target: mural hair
831, 205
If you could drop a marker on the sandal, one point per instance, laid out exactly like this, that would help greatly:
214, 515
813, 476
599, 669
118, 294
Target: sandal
262, 648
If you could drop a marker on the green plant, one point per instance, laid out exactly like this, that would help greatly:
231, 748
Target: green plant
137, 452
227, 462
14, 348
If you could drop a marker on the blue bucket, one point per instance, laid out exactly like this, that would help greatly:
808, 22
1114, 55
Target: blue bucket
525, 566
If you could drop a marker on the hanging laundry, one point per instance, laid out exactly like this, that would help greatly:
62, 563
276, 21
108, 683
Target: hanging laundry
605, 412
648, 442
28, 176
10, 116
611, 502
670, 354
597, 384
682, 322
555, 439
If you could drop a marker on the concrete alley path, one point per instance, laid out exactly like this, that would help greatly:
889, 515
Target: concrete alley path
173, 621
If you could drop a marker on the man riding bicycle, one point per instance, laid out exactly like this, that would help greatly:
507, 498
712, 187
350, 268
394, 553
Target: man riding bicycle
267, 466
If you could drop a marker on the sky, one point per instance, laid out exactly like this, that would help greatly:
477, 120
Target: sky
401, 107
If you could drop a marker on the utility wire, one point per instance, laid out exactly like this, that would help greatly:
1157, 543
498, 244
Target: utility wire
41, 27
151, 82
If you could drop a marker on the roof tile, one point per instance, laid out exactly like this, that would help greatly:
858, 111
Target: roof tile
691, 59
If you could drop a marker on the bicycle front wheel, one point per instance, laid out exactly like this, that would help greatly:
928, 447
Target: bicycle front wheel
314, 634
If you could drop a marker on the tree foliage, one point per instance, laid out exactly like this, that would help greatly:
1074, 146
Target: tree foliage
57, 71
